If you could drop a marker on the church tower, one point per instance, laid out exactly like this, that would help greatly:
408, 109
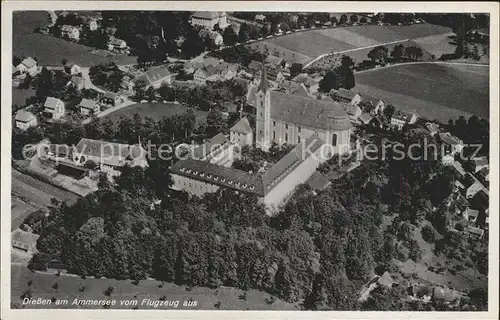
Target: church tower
263, 119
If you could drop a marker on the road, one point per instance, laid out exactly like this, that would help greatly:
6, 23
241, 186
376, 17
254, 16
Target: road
351, 50
101, 114
88, 83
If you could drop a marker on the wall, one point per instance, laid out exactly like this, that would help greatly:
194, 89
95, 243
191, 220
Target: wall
192, 186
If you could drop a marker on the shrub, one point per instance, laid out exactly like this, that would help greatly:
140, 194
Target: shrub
428, 234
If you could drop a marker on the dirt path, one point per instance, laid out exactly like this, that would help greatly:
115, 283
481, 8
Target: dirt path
426, 62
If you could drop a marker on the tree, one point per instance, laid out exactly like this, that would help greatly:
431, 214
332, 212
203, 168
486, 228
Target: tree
253, 32
354, 18
330, 81
296, 69
343, 19
398, 52
363, 20
389, 111
16, 61
378, 54
215, 122
244, 33
229, 36
193, 45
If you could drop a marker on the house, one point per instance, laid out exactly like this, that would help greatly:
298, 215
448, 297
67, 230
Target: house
71, 32
25, 119
378, 106
109, 156
29, 66
200, 62
89, 107
78, 82
274, 74
202, 75
73, 69
400, 118
366, 118
260, 17
24, 241
53, 108
310, 83
208, 19
354, 112
93, 24
127, 84
227, 70
475, 232
345, 96
15, 72
471, 215
452, 144
241, 133
433, 128
111, 98
447, 160
157, 76
480, 163
116, 44
318, 182
459, 169
212, 35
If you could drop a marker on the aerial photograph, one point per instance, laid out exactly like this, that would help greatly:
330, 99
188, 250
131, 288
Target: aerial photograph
216, 160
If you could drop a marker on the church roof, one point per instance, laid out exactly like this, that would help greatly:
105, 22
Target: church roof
243, 126
308, 112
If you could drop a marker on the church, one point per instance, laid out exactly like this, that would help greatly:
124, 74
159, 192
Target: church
308, 123
288, 118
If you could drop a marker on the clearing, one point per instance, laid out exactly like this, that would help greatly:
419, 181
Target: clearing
433, 91
155, 111
50, 50
68, 288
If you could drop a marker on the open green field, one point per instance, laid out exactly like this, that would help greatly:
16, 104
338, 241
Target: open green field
155, 111
316, 42
51, 50
433, 91
68, 288
276, 50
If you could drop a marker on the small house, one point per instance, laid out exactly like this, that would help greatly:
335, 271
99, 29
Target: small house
208, 73
93, 24
28, 65
241, 133
71, 32
345, 96
480, 163
111, 98
400, 118
24, 241
452, 143
53, 108
227, 70
447, 160
89, 107
25, 119
157, 76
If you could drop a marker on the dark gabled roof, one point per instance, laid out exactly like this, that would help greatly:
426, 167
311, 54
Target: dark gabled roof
209, 146
402, 115
219, 175
290, 161
318, 181
308, 112
209, 70
343, 93
242, 126
155, 74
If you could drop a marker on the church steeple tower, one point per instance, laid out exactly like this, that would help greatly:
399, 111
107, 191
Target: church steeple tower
263, 119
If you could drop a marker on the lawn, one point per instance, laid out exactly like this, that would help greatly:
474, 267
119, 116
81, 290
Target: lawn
19, 96
437, 44
155, 111
311, 43
68, 288
434, 91
36, 191
274, 49
50, 50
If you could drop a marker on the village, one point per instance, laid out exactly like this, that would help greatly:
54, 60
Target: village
257, 144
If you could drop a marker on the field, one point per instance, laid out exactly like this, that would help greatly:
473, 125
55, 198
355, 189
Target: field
50, 50
68, 288
155, 111
433, 91
316, 42
274, 49
38, 192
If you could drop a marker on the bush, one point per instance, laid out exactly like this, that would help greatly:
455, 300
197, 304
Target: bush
428, 234
39, 262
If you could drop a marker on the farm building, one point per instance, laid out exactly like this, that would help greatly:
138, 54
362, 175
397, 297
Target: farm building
25, 119
155, 77
28, 65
